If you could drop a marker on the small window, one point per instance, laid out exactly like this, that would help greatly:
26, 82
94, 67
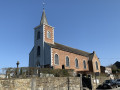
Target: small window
84, 64
38, 35
76, 63
67, 61
48, 34
38, 64
96, 65
56, 59
38, 51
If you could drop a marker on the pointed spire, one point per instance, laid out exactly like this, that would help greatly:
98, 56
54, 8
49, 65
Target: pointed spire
43, 18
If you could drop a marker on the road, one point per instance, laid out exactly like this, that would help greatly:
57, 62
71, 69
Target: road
110, 89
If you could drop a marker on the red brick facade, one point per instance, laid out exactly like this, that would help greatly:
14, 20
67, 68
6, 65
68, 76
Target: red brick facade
95, 58
51, 30
90, 61
62, 60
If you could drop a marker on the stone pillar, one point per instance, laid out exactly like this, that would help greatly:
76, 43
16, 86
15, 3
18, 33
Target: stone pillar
33, 84
90, 76
81, 86
68, 83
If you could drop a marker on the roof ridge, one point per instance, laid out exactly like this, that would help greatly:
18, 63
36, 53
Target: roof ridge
69, 49
73, 48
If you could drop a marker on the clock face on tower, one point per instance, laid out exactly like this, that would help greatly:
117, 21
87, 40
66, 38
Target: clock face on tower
48, 34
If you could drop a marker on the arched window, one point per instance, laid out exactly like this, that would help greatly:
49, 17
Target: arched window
76, 62
67, 61
38, 35
96, 65
56, 59
84, 64
48, 34
38, 51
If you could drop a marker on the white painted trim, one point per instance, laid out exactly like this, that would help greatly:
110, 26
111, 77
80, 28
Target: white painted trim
54, 59
49, 25
53, 35
44, 33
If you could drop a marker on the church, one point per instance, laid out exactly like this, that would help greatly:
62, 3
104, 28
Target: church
47, 53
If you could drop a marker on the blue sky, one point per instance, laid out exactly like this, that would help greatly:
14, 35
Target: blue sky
89, 25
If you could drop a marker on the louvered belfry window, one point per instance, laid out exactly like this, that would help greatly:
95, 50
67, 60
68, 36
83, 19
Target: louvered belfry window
38, 35
38, 51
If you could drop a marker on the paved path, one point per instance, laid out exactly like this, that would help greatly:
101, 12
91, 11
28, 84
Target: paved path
110, 89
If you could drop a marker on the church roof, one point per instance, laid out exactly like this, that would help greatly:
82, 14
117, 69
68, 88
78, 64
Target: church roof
91, 56
69, 49
43, 18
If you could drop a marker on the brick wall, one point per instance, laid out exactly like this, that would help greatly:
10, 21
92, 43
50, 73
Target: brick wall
51, 30
95, 58
62, 56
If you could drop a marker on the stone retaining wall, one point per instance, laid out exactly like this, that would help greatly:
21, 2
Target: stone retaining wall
100, 79
51, 83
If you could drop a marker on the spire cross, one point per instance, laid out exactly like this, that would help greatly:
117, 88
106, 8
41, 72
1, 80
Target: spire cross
43, 4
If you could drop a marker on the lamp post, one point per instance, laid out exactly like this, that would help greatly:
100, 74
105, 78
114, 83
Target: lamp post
17, 67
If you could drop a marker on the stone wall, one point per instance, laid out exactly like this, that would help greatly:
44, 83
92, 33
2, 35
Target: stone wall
98, 81
50, 83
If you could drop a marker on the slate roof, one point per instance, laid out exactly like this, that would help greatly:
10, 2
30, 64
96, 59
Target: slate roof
69, 49
43, 19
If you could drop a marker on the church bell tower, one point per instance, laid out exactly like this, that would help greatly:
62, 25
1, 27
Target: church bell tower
43, 34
